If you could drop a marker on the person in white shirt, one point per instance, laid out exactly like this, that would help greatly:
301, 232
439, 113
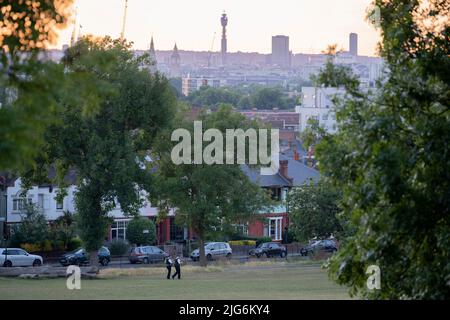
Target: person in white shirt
169, 263
177, 265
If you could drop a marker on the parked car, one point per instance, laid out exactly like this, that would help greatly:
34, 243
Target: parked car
147, 254
80, 257
15, 257
213, 250
269, 249
327, 245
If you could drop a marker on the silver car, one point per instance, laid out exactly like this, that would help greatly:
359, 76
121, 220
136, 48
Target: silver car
16, 257
213, 250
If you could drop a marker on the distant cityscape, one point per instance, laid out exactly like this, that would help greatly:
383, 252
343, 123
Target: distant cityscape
228, 69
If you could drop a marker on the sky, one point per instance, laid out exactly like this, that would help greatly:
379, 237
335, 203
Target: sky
311, 24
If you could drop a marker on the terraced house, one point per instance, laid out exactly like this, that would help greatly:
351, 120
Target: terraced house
291, 173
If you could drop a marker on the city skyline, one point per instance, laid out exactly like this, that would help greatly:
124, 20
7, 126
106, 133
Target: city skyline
193, 25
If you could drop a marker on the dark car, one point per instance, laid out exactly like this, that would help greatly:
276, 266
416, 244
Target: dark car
269, 249
319, 245
147, 254
80, 257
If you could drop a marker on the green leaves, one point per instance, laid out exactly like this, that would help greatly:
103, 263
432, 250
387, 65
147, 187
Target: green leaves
390, 158
208, 198
141, 231
313, 211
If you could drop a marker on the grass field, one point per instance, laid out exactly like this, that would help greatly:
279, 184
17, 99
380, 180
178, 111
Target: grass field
271, 281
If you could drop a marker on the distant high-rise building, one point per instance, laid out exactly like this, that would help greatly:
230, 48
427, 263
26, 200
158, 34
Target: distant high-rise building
175, 63
353, 45
281, 55
224, 22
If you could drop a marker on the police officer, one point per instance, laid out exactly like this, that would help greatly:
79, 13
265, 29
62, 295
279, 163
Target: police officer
177, 265
169, 264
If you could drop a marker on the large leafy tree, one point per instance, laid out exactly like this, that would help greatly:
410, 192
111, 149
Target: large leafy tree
208, 198
29, 82
141, 231
313, 211
391, 158
109, 148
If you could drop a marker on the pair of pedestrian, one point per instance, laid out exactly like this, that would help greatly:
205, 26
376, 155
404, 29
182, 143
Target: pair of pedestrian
173, 263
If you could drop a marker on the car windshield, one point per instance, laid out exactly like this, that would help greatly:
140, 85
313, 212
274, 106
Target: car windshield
78, 251
103, 250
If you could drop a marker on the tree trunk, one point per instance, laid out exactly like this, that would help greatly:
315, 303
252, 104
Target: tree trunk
93, 261
201, 251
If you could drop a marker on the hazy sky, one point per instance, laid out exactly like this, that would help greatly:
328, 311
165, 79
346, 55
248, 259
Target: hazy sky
310, 24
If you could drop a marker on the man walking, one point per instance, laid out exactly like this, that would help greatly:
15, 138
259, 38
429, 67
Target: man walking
169, 264
177, 268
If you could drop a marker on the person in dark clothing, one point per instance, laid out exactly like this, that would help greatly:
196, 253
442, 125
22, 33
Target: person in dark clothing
177, 265
169, 264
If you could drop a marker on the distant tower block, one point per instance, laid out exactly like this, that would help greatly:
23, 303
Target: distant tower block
353, 46
224, 22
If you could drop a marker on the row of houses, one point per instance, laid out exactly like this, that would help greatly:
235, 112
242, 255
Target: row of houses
291, 173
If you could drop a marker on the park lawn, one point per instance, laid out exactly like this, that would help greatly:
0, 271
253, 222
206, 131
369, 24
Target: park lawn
282, 282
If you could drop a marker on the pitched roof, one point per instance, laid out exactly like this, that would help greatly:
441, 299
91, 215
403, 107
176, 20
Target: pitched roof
255, 176
299, 172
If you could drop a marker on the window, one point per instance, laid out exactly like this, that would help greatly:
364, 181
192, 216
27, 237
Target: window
118, 229
41, 201
325, 117
276, 194
273, 228
19, 204
176, 231
241, 229
59, 205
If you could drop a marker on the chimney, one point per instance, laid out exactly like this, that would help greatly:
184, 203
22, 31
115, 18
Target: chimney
283, 171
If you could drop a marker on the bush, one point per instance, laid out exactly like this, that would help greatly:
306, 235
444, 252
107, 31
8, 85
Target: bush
46, 246
260, 240
74, 244
135, 231
33, 228
242, 243
257, 240
62, 230
119, 247
30, 247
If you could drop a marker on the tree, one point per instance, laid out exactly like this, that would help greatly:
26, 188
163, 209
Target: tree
141, 231
213, 97
33, 227
313, 211
207, 198
108, 148
267, 98
312, 134
29, 83
63, 229
391, 157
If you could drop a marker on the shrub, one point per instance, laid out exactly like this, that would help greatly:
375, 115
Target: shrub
135, 231
33, 227
263, 240
119, 247
46, 246
30, 247
58, 245
62, 230
242, 242
74, 244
